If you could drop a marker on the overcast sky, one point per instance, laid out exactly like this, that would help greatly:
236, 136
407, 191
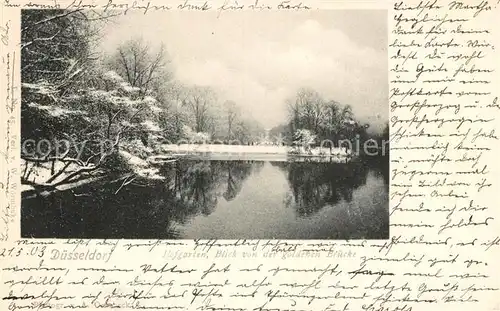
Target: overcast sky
260, 59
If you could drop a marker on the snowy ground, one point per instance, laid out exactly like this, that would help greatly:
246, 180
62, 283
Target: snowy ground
243, 149
141, 167
42, 172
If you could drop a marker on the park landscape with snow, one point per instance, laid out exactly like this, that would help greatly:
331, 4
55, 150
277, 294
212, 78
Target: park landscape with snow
105, 124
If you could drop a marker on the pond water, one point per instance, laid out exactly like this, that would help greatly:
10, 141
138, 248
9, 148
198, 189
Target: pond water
223, 200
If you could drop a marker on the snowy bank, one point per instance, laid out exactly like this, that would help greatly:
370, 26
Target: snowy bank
244, 149
140, 167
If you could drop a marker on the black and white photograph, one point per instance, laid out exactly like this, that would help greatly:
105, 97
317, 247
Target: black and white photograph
201, 125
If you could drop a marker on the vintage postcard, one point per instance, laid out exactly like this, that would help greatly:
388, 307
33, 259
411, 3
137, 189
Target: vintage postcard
251, 156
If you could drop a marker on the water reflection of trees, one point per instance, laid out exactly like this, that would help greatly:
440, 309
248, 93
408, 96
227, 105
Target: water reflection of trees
381, 166
315, 185
152, 209
197, 186
141, 209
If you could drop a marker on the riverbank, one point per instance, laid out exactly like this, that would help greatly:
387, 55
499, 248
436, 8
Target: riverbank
137, 166
248, 153
245, 149
146, 165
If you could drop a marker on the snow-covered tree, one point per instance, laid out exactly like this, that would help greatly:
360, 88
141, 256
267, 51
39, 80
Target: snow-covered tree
92, 123
304, 138
74, 112
141, 66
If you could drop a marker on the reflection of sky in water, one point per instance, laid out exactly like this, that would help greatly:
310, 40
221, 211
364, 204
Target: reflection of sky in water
259, 211
223, 200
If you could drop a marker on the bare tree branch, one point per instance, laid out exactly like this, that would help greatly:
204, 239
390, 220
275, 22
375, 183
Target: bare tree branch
66, 13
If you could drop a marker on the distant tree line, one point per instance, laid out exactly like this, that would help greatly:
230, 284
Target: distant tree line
313, 119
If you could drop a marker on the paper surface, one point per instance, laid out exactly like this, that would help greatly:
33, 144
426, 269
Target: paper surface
443, 245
